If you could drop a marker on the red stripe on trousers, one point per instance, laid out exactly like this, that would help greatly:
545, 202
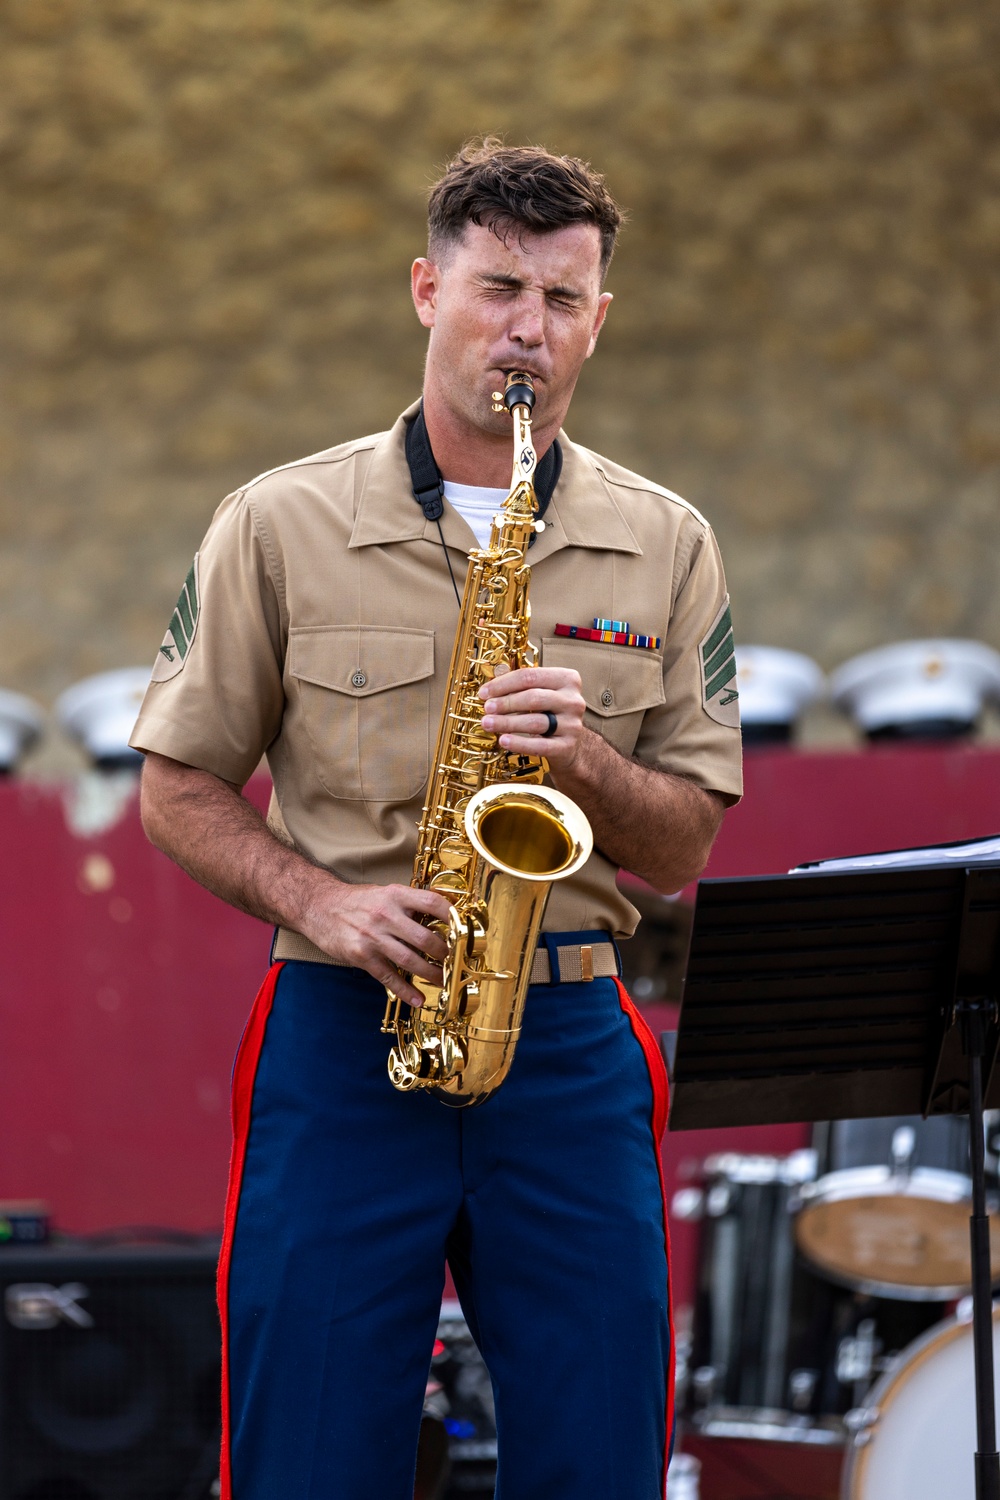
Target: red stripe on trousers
244, 1076
658, 1124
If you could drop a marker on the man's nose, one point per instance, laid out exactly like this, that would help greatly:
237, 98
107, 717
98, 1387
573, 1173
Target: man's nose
528, 324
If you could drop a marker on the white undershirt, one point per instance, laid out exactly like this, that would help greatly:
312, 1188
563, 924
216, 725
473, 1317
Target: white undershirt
477, 505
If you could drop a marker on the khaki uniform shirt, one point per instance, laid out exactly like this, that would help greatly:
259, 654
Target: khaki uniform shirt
316, 628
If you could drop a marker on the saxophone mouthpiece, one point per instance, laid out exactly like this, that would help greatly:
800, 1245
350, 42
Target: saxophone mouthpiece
519, 390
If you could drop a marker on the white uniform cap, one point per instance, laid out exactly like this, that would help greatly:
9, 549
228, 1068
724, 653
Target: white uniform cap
939, 684
775, 685
100, 712
20, 725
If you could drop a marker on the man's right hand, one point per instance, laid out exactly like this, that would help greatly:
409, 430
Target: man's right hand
379, 928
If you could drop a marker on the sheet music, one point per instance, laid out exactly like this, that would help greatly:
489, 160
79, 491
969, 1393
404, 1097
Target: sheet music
984, 851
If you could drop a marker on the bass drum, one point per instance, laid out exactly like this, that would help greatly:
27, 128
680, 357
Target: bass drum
917, 1435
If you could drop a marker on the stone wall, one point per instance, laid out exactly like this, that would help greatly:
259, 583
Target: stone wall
210, 207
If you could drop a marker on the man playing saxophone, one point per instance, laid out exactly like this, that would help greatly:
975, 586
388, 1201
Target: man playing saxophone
316, 627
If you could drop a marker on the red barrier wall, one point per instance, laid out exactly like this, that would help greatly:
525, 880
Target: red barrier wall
123, 994
125, 986
804, 806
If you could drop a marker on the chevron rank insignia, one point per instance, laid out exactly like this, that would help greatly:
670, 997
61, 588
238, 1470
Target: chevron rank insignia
181, 631
717, 661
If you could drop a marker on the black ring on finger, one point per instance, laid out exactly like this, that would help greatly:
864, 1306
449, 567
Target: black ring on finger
553, 725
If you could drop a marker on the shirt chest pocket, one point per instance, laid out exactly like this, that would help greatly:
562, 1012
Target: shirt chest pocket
365, 699
619, 684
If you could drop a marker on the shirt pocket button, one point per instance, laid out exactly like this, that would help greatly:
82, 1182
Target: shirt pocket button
359, 678
607, 698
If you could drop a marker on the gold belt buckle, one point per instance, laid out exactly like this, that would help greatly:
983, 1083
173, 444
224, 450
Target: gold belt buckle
586, 961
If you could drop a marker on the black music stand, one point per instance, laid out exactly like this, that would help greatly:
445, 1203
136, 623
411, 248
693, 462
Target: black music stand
827, 996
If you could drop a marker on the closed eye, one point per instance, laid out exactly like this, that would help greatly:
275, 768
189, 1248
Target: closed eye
560, 296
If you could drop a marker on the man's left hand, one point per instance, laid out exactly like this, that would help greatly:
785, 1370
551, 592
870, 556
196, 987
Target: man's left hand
516, 707
657, 824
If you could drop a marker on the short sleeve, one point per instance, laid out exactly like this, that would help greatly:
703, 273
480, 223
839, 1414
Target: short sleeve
216, 697
696, 730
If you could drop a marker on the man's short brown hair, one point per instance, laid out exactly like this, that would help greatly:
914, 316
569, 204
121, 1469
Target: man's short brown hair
512, 188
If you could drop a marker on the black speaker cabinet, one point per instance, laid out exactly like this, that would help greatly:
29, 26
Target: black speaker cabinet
109, 1373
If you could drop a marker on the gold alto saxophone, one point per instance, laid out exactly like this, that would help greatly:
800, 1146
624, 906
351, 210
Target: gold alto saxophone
491, 839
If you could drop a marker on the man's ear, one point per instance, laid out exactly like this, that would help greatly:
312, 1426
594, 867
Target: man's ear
425, 282
603, 303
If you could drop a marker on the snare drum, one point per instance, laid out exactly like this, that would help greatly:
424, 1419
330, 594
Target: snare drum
891, 1214
917, 1437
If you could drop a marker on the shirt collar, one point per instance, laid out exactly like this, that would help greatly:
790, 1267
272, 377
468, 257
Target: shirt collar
387, 512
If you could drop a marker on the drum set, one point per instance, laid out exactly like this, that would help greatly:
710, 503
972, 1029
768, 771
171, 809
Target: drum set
831, 1302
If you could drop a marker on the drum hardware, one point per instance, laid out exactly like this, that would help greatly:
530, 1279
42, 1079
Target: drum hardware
769, 1427
857, 1356
682, 1355
802, 1389
687, 1204
860, 1420
904, 1140
683, 1477
703, 1383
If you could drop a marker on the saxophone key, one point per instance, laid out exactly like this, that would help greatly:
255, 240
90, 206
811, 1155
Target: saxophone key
453, 1055
454, 854
401, 1077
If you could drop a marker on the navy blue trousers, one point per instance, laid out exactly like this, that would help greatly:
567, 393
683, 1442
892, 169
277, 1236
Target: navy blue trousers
345, 1199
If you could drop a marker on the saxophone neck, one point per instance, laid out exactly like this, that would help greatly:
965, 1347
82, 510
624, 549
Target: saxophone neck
519, 399
525, 459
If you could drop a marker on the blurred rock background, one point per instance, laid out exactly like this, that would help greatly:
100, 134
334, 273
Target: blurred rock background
209, 210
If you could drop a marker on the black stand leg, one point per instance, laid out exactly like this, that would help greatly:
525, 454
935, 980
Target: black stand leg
987, 1460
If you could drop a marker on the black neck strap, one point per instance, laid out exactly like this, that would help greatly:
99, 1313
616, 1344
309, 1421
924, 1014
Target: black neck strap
428, 487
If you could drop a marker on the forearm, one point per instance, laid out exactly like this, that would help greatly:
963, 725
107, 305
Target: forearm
209, 828
651, 823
